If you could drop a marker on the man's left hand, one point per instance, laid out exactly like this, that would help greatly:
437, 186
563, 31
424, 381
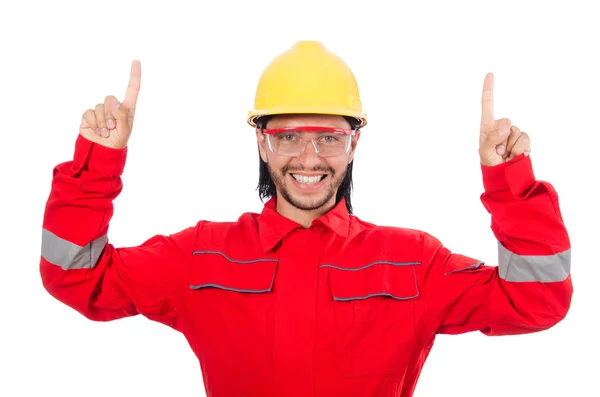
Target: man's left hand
499, 140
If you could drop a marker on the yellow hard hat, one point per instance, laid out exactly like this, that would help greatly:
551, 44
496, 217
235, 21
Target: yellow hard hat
307, 78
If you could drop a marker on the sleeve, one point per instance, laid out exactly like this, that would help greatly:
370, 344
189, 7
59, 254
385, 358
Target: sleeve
530, 290
81, 269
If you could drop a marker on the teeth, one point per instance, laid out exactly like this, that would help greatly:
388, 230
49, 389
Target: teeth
308, 179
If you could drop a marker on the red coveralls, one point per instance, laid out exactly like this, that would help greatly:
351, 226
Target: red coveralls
343, 308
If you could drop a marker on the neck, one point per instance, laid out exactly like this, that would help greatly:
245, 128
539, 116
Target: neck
302, 217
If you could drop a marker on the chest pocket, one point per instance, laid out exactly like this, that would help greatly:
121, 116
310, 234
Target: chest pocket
375, 317
231, 301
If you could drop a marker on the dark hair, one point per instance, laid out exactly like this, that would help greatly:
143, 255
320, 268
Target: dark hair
266, 188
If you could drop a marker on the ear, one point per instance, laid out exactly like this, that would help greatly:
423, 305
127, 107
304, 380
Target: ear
355, 139
262, 145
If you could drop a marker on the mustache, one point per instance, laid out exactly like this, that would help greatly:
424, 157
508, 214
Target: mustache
291, 168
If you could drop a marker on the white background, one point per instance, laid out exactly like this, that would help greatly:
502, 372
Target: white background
420, 68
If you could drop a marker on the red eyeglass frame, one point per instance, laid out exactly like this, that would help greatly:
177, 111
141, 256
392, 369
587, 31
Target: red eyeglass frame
309, 128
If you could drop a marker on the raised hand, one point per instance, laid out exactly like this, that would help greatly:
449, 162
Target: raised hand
499, 140
110, 123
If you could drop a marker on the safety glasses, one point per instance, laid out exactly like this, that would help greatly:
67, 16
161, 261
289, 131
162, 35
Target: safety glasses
291, 141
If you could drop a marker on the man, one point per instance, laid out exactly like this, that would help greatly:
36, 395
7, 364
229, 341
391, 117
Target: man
306, 299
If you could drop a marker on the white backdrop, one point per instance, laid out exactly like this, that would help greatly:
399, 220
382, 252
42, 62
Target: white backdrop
420, 68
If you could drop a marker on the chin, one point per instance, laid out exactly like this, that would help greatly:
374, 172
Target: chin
307, 202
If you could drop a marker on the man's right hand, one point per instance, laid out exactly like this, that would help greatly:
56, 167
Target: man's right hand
111, 122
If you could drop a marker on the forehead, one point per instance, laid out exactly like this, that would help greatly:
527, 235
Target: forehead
295, 120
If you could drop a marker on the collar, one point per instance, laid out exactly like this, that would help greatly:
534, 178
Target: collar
272, 226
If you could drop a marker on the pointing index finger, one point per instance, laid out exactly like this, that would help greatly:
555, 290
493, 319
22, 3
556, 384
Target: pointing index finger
487, 99
133, 88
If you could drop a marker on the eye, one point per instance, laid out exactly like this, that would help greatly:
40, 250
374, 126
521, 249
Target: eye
330, 139
286, 137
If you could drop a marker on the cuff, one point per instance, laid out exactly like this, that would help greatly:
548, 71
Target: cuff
515, 175
97, 158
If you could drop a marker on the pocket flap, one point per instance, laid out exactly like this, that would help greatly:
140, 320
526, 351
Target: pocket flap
396, 280
461, 263
213, 269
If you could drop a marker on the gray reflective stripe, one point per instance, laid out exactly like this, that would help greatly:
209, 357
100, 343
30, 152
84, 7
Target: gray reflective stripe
68, 255
542, 268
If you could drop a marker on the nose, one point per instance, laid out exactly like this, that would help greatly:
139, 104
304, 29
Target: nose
309, 156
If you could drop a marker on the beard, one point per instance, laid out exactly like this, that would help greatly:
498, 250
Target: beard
306, 204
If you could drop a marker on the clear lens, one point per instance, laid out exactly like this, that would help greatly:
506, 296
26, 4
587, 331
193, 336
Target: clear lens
293, 143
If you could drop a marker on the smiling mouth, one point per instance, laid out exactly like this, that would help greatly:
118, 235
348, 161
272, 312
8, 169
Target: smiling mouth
309, 180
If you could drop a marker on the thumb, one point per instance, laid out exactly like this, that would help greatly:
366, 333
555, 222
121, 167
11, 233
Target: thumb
496, 135
121, 115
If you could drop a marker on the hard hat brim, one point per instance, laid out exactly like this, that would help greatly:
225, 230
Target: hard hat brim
333, 110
